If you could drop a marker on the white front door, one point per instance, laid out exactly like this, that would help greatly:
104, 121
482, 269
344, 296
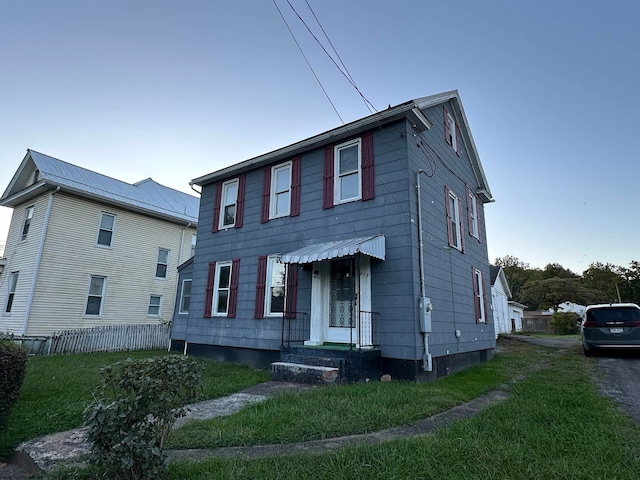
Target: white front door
342, 321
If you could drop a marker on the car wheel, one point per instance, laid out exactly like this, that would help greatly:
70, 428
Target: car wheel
588, 352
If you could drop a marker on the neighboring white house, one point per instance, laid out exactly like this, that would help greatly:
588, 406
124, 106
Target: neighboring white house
507, 315
87, 250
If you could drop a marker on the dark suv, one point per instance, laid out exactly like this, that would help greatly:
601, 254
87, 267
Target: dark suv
610, 326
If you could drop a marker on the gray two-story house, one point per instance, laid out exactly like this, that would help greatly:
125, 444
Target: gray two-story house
359, 252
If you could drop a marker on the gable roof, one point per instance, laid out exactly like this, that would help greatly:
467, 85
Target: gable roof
412, 110
39, 173
497, 273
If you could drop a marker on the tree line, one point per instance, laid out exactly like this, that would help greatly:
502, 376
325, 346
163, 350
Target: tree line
549, 287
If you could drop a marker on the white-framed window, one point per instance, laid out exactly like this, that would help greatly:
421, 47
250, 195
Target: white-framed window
28, 215
229, 203
451, 131
280, 201
105, 231
478, 293
453, 210
473, 215
97, 287
162, 263
347, 166
275, 287
185, 296
194, 238
155, 304
222, 289
13, 282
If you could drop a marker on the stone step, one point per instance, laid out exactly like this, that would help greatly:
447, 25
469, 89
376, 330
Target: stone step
301, 373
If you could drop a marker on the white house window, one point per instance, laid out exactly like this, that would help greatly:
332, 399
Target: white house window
162, 263
13, 282
105, 232
193, 244
28, 215
473, 215
185, 296
222, 289
275, 287
280, 202
95, 298
229, 203
347, 158
454, 221
478, 293
451, 132
155, 302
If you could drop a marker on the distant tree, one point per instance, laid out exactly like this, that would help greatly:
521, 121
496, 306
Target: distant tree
551, 292
607, 278
555, 270
518, 274
630, 286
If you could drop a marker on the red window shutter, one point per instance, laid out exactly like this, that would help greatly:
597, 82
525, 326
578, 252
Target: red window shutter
484, 299
208, 297
266, 195
368, 174
461, 226
469, 211
292, 291
260, 287
233, 288
476, 293
447, 135
242, 180
458, 141
296, 167
447, 203
328, 178
216, 207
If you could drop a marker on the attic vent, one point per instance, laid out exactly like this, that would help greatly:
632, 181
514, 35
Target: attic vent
36, 176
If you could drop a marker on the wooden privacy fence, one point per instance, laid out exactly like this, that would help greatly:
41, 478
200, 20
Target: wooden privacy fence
110, 338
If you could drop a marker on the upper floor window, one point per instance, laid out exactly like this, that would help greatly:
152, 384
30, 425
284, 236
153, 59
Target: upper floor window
105, 232
28, 215
13, 282
185, 296
349, 171
155, 303
162, 263
472, 211
451, 131
194, 237
280, 204
478, 295
36, 176
228, 210
454, 225
97, 287
347, 166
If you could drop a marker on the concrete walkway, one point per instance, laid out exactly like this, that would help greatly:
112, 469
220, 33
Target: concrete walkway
42, 454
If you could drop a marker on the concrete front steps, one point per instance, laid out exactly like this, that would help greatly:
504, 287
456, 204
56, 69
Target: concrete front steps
326, 364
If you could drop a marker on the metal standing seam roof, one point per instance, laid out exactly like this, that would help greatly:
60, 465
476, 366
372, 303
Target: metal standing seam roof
147, 195
373, 246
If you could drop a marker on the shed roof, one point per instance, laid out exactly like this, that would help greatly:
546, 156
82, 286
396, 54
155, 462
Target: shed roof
39, 173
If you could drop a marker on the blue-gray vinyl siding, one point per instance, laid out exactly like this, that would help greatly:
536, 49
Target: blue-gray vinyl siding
395, 282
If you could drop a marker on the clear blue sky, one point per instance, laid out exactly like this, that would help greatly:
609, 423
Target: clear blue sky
174, 89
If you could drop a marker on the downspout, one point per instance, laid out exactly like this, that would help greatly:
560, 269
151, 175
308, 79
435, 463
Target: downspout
37, 264
424, 303
182, 243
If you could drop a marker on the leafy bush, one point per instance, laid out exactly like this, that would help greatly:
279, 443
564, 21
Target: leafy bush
564, 323
135, 407
13, 363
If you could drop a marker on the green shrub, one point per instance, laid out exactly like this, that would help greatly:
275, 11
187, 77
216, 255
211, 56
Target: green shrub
135, 407
564, 323
13, 363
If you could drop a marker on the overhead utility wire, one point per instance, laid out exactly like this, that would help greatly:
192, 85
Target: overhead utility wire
308, 64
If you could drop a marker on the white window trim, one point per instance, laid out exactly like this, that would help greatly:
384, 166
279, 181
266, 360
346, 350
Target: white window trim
154, 305
158, 262
451, 125
274, 192
456, 234
194, 240
113, 230
28, 217
477, 277
473, 211
216, 289
11, 295
102, 296
271, 261
225, 188
182, 296
336, 172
